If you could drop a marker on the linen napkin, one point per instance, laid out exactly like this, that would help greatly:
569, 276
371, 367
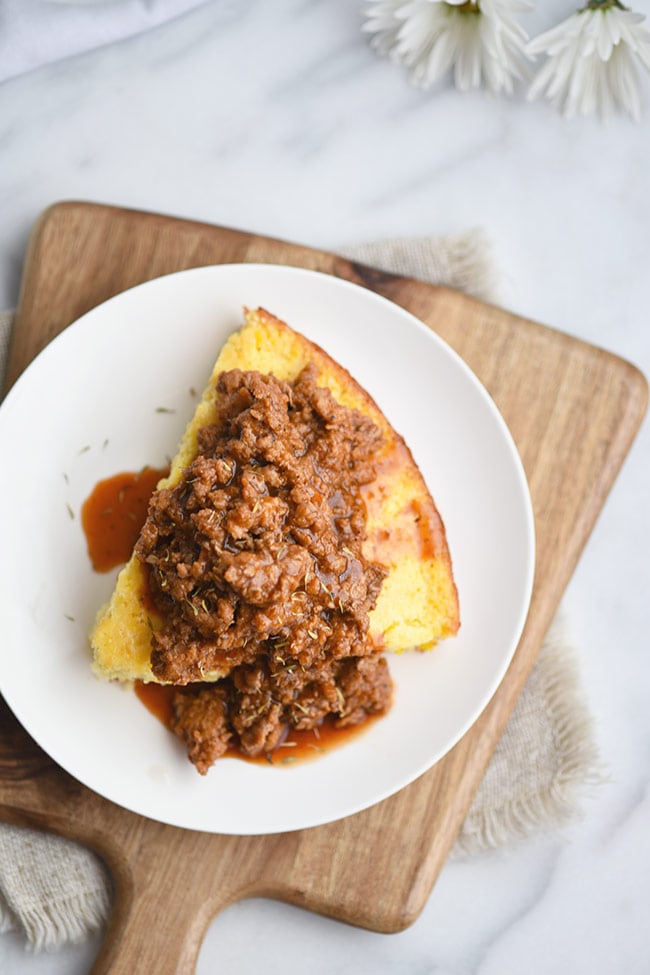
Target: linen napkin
543, 769
38, 32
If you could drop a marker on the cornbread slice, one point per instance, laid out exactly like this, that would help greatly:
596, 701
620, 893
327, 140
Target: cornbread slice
418, 603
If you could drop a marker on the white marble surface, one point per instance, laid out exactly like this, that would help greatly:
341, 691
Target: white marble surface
277, 118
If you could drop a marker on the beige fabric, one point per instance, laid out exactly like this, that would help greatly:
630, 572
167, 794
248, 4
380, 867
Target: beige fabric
461, 261
56, 891
547, 761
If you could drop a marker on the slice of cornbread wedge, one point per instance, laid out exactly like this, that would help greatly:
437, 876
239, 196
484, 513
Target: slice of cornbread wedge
418, 603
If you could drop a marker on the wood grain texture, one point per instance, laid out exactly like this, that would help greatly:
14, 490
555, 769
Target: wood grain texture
573, 411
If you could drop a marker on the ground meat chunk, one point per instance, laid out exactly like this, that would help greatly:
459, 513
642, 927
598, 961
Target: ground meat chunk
365, 687
254, 561
199, 718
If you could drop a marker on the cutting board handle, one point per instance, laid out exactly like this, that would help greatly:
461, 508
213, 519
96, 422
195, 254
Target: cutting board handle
153, 936
169, 885
164, 901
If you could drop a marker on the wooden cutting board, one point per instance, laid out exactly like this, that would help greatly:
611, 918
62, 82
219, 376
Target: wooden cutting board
573, 411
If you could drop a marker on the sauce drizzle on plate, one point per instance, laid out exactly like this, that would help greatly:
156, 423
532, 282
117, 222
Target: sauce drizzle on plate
114, 513
297, 746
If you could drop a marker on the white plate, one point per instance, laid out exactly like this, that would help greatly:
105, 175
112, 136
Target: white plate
88, 407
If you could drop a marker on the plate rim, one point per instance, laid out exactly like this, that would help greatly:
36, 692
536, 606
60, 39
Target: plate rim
487, 401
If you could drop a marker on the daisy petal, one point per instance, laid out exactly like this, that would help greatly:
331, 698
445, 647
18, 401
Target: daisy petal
591, 60
479, 43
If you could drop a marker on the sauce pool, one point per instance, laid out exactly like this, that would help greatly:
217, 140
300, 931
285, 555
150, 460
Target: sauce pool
297, 746
113, 515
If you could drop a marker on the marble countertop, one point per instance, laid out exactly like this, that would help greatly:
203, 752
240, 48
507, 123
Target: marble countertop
278, 118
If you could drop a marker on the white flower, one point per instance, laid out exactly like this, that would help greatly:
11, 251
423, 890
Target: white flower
592, 60
480, 40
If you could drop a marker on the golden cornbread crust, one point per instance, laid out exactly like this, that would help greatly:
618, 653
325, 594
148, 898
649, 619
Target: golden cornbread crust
418, 602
